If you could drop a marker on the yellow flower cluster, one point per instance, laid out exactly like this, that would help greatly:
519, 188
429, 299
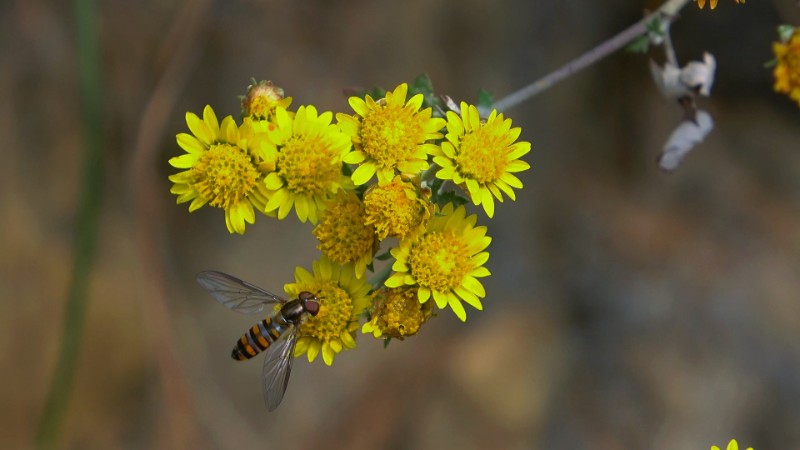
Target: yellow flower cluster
393, 172
787, 69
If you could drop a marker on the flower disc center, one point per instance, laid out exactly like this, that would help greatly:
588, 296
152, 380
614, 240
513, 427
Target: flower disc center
482, 156
225, 174
439, 261
335, 312
306, 164
391, 134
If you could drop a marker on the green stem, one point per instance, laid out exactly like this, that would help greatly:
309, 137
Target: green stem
87, 223
429, 174
669, 10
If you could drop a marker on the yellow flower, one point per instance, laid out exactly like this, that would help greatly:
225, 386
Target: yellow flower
702, 3
732, 445
481, 155
396, 208
396, 313
343, 235
306, 151
445, 260
262, 99
787, 71
342, 299
223, 169
389, 134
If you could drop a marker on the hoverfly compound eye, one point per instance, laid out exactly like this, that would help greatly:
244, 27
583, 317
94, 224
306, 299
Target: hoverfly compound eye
312, 306
310, 302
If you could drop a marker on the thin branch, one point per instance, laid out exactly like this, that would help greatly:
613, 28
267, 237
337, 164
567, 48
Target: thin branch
669, 50
668, 10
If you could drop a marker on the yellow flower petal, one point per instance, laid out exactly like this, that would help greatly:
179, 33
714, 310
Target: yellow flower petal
363, 173
487, 202
199, 129
184, 161
313, 350
274, 182
440, 298
190, 143
358, 105
355, 157
457, 308
474, 286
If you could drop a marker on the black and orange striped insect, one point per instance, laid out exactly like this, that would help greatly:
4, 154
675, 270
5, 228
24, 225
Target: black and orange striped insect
276, 335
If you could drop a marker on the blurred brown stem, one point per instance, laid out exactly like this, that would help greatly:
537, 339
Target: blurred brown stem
148, 189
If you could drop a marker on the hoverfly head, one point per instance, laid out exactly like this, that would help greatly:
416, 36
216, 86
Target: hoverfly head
310, 302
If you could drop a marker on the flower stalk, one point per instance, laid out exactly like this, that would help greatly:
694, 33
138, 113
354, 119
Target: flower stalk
91, 94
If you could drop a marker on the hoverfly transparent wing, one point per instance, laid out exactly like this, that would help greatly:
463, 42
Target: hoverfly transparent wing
277, 367
236, 294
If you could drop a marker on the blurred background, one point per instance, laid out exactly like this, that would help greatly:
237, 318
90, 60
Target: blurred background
627, 308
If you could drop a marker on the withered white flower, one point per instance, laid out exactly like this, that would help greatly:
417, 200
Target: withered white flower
694, 77
684, 138
699, 76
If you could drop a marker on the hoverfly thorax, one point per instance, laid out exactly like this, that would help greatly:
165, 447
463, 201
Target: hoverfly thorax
306, 302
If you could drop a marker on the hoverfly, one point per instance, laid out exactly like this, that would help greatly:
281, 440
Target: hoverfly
276, 335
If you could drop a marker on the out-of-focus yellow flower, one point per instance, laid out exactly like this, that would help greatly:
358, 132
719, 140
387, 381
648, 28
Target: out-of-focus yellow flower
787, 70
702, 3
223, 169
344, 236
306, 152
444, 260
342, 299
396, 208
389, 135
483, 156
396, 313
732, 445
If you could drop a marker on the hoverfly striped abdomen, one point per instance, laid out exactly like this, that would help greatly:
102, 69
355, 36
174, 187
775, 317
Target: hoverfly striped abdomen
261, 335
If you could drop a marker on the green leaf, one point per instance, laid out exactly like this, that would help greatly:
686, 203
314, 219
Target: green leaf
384, 256
485, 101
361, 190
785, 32
452, 197
423, 85
386, 342
656, 28
435, 186
640, 45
